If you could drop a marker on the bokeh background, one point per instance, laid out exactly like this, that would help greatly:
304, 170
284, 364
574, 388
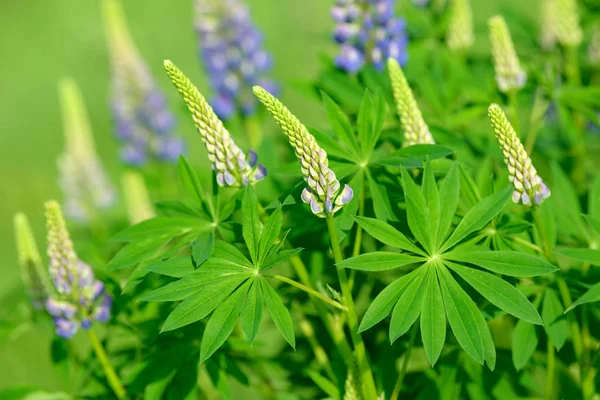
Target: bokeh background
42, 41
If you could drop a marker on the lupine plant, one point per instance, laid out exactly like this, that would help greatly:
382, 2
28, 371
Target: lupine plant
432, 230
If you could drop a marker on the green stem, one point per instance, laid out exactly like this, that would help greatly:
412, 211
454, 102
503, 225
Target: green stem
308, 290
111, 375
359, 230
572, 65
550, 370
527, 244
366, 374
568, 301
400, 381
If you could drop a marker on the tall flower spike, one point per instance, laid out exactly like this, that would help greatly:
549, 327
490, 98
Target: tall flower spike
529, 187
33, 274
323, 192
231, 47
568, 28
82, 178
231, 164
143, 122
594, 49
368, 33
137, 199
460, 35
414, 127
548, 25
509, 74
79, 298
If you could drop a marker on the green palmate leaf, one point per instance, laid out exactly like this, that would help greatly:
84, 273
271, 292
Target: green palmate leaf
379, 261
203, 302
417, 211
591, 296
555, 324
172, 208
269, 234
432, 199
409, 305
324, 384
594, 222
499, 292
381, 202
227, 251
221, 322
251, 222
340, 123
433, 318
524, 343
279, 314
177, 267
489, 350
162, 227
371, 117
546, 224
591, 256
387, 234
566, 205
449, 196
203, 247
425, 151
468, 187
190, 180
279, 257
384, 303
594, 200
134, 253
511, 263
462, 315
330, 145
478, 216
252, 311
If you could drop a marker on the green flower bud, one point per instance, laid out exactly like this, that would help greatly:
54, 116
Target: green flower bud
548, 24
568, 28
594, 49
460, 35
509, 74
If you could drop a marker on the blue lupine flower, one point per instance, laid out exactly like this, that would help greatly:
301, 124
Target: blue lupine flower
231, 48
368, 33
78, 298
143, 122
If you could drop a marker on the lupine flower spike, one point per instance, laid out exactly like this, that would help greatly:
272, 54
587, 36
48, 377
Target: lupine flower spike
143, 122
530, 190
137, 199
509, 74
78, 298
368, 33
231, 47
568, 28
460, 35
594, 49
33, 273
232, 166
82, 178
414, 126
323, 194
548, 24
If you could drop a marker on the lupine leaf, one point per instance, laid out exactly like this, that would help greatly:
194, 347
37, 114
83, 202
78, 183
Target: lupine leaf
203, 247
594, 222
555, 324
407, 309
432, 199
566, 204
379, 261
227, 251
433, 318
371, 116
524, 342
386, 234
252, 311
324, 384
134, 253
385, 301
499, 292
591, 256
177, 267
340, 123
161, 227
381, 202
511, 263
489, 350
331, 146
478, 216
269, 234
425, 151
469, 189
417, 211
250, 221
279, 314
591, 296
594, 200
546, 224
221, 323
190, 180
202, 303
279, 257
449, 196
461, 316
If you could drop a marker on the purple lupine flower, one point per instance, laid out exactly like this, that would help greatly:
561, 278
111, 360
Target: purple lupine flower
368, 33
143, 122
79, 298
231, 48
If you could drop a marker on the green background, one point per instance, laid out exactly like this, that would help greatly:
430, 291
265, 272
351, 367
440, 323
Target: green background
42, 41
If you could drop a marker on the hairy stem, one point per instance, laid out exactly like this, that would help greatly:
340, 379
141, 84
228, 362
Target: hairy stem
111, 375
400, 381
359, 346
308, 290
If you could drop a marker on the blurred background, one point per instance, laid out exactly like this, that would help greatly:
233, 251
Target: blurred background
42, 41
